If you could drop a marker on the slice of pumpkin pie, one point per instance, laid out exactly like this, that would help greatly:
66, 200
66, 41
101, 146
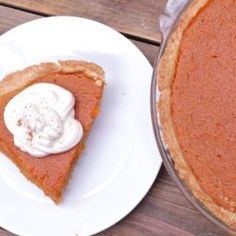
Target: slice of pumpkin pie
46, 113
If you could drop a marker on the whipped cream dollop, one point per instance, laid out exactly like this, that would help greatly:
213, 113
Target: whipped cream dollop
42, 120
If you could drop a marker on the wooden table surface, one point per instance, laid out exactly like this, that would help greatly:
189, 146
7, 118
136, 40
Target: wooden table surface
164, 211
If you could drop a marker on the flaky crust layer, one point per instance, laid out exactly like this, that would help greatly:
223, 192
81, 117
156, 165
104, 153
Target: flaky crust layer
166, 72
21, 78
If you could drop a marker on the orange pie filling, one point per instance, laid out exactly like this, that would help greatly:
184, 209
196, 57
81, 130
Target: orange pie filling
203, 101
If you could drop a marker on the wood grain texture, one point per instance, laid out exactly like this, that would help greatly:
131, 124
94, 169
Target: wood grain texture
137, 18
164, 211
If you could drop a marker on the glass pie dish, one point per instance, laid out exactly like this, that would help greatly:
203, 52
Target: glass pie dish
168, 22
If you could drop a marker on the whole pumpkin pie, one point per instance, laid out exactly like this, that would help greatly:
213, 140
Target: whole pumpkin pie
78, 89
197, 81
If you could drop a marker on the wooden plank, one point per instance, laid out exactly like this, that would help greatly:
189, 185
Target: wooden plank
138, 18
164, 211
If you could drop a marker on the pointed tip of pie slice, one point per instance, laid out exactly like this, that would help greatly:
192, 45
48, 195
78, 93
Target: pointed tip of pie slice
86, 82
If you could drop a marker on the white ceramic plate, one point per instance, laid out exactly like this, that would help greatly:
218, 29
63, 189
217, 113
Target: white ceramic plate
121, 160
